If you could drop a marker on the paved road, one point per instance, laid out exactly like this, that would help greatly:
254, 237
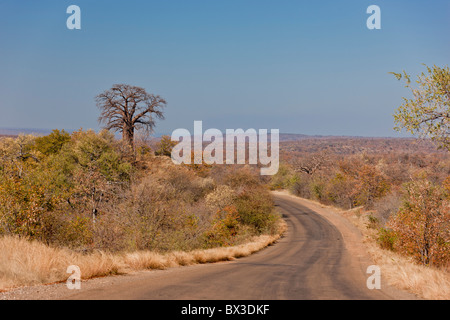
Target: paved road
310, 262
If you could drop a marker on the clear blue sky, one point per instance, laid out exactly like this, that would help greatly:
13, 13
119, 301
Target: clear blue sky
307, 67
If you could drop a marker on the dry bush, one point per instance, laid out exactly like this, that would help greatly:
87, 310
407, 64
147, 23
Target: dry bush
387, 206
165, 213
302, 187
221, 197
423, 224
224, 229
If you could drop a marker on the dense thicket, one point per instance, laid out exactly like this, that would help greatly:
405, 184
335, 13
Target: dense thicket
83, 191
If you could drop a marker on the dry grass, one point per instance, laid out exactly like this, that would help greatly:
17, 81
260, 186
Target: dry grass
25, 263
401, 271
151, 260
28, 263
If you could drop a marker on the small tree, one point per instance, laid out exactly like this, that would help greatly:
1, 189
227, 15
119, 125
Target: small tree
428, 112
52, 143
165, 146
312, 163
126, 108
422, 224
97, 169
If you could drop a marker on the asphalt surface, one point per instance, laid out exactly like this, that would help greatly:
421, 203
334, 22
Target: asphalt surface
311, 261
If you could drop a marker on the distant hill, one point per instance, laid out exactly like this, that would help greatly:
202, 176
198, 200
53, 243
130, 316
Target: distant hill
293, 136
297, 136
17, 131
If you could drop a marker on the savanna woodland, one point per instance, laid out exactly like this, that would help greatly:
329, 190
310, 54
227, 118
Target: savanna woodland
403, 185
97, 195
89, 190
94, 193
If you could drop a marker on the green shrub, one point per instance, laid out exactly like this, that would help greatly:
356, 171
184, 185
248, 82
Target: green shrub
255, 207
284, 179
387, 238
373, 221
52, 143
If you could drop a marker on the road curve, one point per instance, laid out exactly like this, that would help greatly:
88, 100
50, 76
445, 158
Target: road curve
311, 261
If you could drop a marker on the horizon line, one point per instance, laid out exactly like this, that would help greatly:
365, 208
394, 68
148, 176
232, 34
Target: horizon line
17, 131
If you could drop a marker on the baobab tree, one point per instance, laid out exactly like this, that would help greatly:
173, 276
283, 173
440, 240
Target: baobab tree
126, 108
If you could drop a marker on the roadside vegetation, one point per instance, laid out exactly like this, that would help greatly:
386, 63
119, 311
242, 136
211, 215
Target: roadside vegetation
89, 198
399, 201
406, 197
83, 193
405, 188
396, 190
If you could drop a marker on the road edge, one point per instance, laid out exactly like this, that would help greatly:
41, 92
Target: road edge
354, 242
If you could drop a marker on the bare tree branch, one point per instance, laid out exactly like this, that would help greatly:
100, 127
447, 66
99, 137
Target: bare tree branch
126, 108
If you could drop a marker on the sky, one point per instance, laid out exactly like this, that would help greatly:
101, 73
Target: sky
309, 67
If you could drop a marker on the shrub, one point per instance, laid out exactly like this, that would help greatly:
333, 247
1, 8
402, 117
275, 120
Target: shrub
255, 207
423, 223
224, 229
284, 178
387, 238
373, 222
242, 178
55, 175
52, 143
387, 206
318, 189
165, 146
301, 187
221, 197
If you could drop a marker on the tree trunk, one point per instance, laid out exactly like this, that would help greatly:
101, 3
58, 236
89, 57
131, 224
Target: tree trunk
128, 136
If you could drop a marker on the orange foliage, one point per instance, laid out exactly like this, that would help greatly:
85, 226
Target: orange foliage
225, 228
423, 224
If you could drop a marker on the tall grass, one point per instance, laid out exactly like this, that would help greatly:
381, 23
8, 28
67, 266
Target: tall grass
24, 263
402, 272
399, 270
